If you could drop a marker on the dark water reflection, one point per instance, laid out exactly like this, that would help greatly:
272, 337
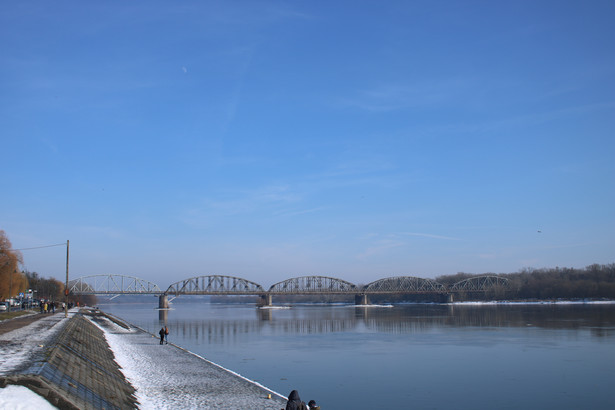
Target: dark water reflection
437, 356
599, 319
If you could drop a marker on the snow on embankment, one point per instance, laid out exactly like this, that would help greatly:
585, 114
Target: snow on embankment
167, 376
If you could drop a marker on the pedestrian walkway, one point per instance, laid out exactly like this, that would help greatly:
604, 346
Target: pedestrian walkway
19, 322
74, 364
167, 376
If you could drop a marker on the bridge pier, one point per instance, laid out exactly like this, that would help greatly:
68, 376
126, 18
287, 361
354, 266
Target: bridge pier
361, 299
450, 298
163, 301
265, 300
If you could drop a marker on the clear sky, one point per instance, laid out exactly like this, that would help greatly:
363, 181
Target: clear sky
275, 139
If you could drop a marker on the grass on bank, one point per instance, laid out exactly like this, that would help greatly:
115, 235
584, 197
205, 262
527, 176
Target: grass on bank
11, 315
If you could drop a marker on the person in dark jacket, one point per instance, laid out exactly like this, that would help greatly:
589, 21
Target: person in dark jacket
294, 402
312, 405
161, 333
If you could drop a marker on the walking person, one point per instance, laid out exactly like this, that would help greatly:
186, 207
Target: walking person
161, 333
166, 335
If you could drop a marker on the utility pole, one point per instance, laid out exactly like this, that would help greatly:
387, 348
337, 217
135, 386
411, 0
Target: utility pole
66, 285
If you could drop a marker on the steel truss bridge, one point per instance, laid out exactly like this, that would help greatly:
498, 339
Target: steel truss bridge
303, 285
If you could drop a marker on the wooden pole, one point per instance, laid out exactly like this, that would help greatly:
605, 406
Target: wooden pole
66, 285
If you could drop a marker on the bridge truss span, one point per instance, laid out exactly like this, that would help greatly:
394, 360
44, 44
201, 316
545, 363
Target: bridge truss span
482, 284
215, 285
112, 285
313, 284
404, 284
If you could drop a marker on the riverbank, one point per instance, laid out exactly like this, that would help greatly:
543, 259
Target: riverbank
92, 360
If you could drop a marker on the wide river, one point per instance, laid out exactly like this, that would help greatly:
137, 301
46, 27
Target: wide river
420, 356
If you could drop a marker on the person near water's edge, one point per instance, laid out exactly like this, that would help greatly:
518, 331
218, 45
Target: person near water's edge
294, 402
312, 405
166, 335
161, 333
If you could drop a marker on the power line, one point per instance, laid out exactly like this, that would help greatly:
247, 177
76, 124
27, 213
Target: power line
38, 247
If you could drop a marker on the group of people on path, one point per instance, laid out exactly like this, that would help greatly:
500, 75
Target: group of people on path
295, 403
164, 333
50, 307
47, 307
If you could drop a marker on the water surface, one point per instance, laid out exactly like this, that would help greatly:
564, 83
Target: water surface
505, 356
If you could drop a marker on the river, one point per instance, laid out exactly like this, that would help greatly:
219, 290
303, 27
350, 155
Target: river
419, 356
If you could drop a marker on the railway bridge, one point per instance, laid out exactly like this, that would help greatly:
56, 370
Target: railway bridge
303, 285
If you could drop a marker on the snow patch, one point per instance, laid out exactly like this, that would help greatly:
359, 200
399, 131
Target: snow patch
372, 306
274, 307
17, 346
21, 398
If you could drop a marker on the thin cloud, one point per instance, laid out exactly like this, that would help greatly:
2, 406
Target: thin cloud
566, 246
245, 56
379, 248
429, 235
489, 256
392, 97
266, 199
301, 212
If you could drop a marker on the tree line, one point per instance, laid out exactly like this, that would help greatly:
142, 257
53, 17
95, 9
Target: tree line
592, 282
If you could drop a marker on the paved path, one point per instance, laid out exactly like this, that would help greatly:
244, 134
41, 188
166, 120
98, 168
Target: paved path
167, 376
72, 358
19, 322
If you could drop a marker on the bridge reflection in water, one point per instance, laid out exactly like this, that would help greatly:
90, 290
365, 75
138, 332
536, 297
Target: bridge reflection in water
303, 285
402, 319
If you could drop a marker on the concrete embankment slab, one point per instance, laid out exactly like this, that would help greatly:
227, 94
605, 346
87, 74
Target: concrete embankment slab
76, 370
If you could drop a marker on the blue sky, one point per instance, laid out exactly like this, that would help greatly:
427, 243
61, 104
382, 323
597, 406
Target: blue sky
274, 139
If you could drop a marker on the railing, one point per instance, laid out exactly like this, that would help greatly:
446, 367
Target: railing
481, 284
313, 284
404, 284
215, 285
111, 285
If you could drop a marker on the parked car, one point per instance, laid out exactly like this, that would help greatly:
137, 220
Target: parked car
3, 307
